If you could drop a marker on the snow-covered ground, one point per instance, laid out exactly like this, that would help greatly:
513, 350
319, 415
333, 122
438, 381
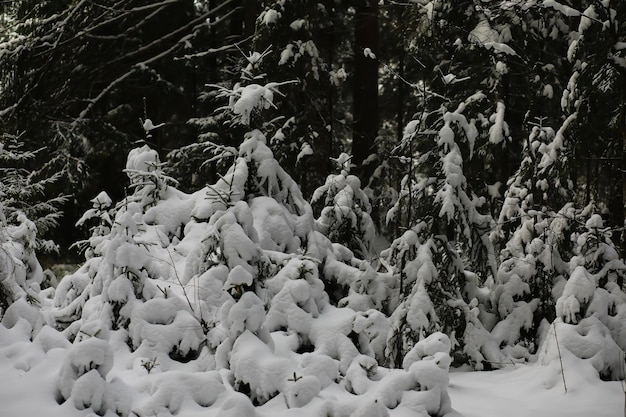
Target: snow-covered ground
521, 391
28, 381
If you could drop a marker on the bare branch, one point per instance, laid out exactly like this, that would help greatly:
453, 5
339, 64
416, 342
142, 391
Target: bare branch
67, 19
193, 24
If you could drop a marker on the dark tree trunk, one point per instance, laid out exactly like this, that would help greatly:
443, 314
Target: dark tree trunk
621, 216
242, 23
365, 84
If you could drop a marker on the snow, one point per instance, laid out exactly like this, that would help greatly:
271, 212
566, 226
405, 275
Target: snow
252, 362
367, 52
579, 289
301, 390
142, 159
148, 126
270, 17
517, 390
588, 18
298, 24
566, 10
500, 47
251, 97
254, 327
305, 150
499, 130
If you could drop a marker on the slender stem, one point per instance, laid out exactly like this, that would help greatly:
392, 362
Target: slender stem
560, 357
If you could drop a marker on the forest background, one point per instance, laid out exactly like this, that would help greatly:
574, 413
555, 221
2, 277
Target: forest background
543, 85
488, 136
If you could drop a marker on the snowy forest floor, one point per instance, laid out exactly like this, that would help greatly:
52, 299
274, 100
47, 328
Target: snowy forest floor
515, 391
521, 391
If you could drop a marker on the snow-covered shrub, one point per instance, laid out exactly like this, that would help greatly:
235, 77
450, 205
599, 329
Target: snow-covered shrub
535, 244
222, 271
436, 296
122, 293
83, 379
171, 391
21, 275
27, 193
115, 280
588, 340
592, 305
530, 278
444, 263
421, 387
103, 212
437, 191
344, 214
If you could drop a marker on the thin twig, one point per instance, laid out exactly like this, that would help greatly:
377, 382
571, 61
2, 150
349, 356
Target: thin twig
623, 376
179, 281
560, 357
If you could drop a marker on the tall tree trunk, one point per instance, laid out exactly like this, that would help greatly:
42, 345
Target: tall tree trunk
242, 23
620, 221
365, 96
401, 78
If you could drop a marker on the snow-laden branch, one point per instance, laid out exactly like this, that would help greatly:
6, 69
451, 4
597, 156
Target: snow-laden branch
243, 100
67, 19
553, 150
141, 66
201, 20
126, 13
214, 50
566, 10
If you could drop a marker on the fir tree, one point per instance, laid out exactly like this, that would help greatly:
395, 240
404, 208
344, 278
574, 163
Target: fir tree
344, 215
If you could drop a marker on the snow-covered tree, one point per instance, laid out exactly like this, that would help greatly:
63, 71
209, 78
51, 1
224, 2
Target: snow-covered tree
23, 284
593, 98
344, 216
536, 242
21, 276
24, 190
250, 97
594, 296
450, 232
436, 294
299, 33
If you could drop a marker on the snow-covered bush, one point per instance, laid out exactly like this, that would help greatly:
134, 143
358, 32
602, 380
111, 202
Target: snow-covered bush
592, 306
530, 278
421, 387
102, 211
344, 214
535, 243
212, 280
437, 295
83, 379
21, 275
27, 193
444, 262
